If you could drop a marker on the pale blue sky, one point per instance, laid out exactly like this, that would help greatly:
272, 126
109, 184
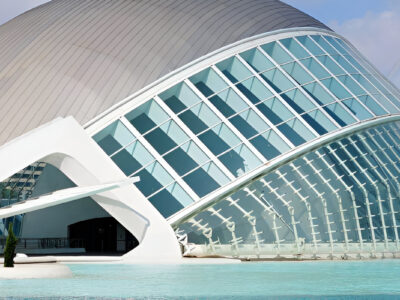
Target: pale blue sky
373, 26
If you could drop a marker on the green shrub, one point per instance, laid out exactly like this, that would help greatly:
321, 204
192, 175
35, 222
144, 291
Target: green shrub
9, 251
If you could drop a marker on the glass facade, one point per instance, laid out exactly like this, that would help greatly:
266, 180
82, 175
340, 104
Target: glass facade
340, 198
242, 112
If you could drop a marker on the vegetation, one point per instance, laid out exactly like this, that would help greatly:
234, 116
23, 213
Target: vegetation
9, 251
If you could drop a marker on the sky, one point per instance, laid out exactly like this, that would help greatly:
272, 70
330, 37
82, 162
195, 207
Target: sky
373, 26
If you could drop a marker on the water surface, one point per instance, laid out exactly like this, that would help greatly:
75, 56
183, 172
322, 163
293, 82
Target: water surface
378, 279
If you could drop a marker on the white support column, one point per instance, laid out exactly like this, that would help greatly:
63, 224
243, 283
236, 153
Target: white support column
308, 207
206, 231
363, 189
226, 122
252, 220
385, 181
271, 210
291, 213
374, 184
323, 202
194, 138
349, 189
160, 159
336, 193
230, 225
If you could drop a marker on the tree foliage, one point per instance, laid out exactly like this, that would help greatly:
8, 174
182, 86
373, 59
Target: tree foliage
9, 251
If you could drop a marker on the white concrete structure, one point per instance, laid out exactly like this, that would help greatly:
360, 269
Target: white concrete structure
256, 132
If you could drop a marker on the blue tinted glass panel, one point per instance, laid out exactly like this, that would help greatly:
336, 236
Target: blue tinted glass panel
254, 90
208, 82
277, 80
180, 97
318, 93
276, 52
297, 72
274, 110
269, 144
233, 69
310, 45
294, 47
147, 116
113, 137
357, 109
257, 60
239, 160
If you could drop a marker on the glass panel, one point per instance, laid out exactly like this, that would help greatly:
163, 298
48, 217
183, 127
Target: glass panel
152, 178
351, 85
186, 157
294, 48
233, 69
388, 105
206, 179
170, 200
344, 64
199, 118
166, 137
334, 86
179, 97
365, 83
372, 105
219, 139
298, 101
254, 90
208, 82
336, 45
228, 102
257, 60
277, 80
318, 93
249, 123
270, 144
314, 67
113, 137
319, 122
296, 132
239, 160
357, 109
275, 111
331, 65
297, 72
324, 44
310, 45
339, 114
132, 158
276, 52
147, 116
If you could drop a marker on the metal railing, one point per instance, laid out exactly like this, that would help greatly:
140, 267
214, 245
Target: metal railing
46, 243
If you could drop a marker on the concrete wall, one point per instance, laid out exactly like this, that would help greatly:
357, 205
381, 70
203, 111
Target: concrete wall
53, 222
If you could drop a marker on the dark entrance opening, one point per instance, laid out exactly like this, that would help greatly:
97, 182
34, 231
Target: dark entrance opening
102, 235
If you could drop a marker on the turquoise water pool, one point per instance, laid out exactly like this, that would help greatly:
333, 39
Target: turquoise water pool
344, 279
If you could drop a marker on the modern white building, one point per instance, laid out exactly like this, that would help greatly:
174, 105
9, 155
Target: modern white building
235, 128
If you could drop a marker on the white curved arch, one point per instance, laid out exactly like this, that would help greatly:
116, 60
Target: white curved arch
64, 144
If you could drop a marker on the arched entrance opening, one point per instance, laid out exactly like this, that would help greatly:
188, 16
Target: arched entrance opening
101, 235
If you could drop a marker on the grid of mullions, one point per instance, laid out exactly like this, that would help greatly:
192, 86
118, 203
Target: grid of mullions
334, 204
241, 112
